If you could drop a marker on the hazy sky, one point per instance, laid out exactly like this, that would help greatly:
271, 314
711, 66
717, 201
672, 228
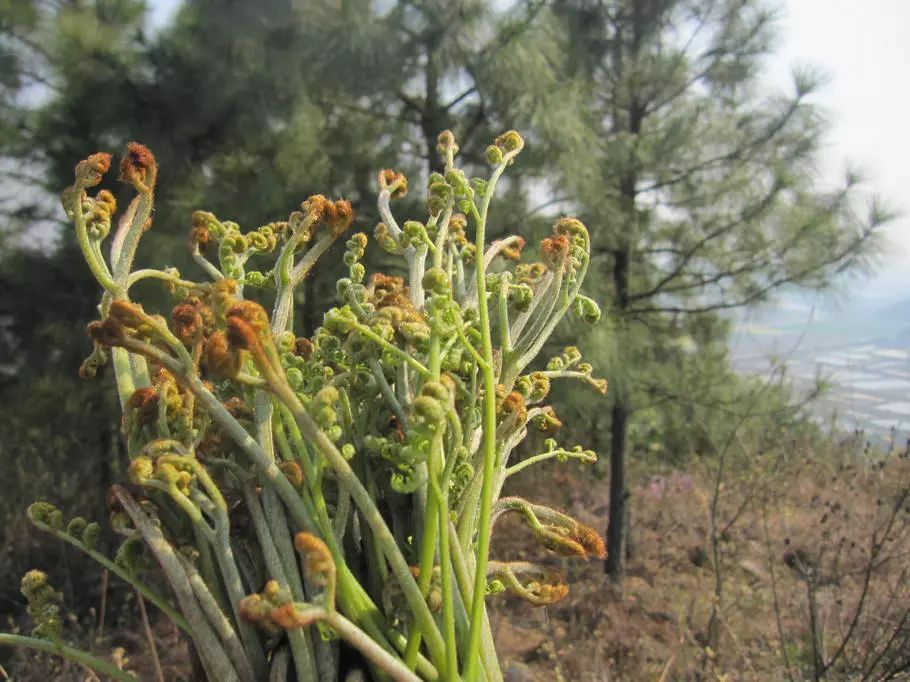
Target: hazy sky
864, 48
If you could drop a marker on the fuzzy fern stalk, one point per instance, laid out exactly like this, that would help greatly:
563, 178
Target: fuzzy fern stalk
303, 496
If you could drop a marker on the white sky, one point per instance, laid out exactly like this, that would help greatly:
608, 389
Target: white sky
864, 48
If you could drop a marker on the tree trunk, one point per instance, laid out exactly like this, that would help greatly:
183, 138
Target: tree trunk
618, 430
433, 117
618, 494
618, 525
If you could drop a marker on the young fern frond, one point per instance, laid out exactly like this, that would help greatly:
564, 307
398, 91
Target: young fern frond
358, 444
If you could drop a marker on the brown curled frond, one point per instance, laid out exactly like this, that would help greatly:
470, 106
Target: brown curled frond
395, 183
536, 584
138, 167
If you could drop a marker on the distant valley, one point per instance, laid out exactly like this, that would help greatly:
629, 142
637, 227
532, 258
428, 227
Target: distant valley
858, 339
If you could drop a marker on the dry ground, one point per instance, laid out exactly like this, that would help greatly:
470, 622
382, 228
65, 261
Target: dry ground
792, 529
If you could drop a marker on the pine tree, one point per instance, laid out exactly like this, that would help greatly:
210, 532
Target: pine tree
701, 186
472, 66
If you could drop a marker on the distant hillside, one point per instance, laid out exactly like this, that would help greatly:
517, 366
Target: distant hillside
877, 308
897, 315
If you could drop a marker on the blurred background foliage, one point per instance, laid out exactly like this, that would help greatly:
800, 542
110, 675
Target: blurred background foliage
643, 117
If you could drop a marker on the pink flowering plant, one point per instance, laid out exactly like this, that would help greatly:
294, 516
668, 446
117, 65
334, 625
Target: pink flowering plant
286, 493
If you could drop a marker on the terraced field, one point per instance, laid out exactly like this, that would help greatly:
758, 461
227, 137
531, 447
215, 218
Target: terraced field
870, 380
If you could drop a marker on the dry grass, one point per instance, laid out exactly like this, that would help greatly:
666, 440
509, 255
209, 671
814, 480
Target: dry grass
838, 534
123, 641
